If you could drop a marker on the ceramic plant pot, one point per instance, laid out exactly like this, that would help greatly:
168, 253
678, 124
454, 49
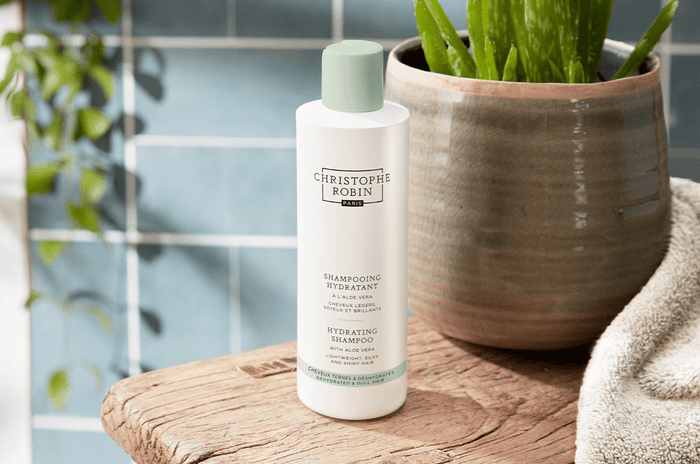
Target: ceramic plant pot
536, 211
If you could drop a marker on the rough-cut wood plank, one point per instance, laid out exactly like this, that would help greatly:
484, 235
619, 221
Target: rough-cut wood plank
465, 403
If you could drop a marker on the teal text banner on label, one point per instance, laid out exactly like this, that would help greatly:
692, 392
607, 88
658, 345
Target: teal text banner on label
352, 380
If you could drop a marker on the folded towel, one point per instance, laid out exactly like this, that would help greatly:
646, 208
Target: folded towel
640, 398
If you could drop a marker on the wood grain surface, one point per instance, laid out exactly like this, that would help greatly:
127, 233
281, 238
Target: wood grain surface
465, 403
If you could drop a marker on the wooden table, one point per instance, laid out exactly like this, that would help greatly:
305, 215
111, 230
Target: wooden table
466, 403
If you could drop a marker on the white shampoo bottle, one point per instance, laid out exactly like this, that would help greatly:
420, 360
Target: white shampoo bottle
352, 202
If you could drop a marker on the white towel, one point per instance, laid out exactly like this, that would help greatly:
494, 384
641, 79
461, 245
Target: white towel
640, 398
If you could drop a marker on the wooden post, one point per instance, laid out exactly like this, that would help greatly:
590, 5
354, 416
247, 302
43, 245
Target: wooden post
15, 383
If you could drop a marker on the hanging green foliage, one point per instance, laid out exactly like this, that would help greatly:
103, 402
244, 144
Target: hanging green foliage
52, 75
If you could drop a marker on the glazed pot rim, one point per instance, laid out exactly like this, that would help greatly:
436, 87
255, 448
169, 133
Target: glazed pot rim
530, 90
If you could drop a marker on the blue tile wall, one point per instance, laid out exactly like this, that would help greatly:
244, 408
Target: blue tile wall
86, 275
392, 19
200, 301
685, 27
217, 190
185, 304
62, 447
684, 126
161, 18
686, 168
282, 18
631, 18
267, 283
233, 93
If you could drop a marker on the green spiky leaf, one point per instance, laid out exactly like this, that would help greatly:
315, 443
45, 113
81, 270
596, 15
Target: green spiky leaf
510, 68
432, 42
648, 41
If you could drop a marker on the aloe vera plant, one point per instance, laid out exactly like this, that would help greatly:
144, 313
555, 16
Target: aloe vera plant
529, 40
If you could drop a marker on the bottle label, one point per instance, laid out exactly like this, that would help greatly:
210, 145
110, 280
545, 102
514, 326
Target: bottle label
352, 187
351, 380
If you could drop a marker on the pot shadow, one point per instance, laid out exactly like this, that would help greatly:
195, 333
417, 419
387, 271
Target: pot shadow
434, 418
562, 368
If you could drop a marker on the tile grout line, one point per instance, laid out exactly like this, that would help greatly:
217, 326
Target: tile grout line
265, 43
338, 20
231, 18
214, 141
132, 259
166, 238
234, 260
68, 423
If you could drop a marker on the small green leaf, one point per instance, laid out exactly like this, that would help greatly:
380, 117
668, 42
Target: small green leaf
49, 250
510, 68
101, 317
93, 122
41, 177
18, 101
58, 388
22, 105
110, 8
51, 83
104, 79
62, 71
92, 185
85, 216
33, 296
10, 71
11, 38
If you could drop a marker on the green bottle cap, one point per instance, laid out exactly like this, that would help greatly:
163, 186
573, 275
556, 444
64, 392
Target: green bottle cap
352, 76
